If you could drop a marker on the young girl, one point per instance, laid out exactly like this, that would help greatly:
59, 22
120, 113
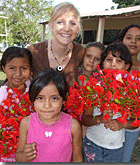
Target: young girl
91, 59
104, 140
16, 63
130, 36
49, 135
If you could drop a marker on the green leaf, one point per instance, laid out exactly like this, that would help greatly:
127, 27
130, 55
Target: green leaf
117, 101
22, 101
24, 109
1, 130
75, 106
12, 111
86, 78
88, 87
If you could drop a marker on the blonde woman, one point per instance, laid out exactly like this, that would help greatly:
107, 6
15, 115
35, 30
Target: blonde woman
60, 51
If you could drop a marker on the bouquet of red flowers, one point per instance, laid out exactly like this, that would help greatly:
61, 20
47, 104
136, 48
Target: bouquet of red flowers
12, 110
117, 90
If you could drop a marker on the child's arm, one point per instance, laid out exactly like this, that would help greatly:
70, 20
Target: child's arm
115, 125
89, 120
76, 141
25, 152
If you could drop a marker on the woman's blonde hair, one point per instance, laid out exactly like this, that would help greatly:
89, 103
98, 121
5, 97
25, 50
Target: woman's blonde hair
60, 10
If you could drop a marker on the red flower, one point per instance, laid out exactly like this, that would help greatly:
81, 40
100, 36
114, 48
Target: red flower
136, 123
12, 110
82, 78
109, 95
117, 95
122, 119
106, 117
99, 89
1, 117
115, 108
19, 118
6, 102
117, 90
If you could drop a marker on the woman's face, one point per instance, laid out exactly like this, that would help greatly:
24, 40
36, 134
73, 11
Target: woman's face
65, 28
132, 40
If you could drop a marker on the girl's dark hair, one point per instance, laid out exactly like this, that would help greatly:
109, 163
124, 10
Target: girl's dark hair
117, 47
124, 31
43, 78
15, 52
95, 44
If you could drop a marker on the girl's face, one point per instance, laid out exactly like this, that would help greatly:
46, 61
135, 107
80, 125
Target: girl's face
17, 72
91, 59
132, 40
48, 104
66, 28
112, 62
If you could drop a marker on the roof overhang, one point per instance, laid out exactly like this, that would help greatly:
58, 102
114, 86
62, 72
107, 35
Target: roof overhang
116, 13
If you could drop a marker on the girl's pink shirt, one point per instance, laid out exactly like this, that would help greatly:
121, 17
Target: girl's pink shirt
54, 141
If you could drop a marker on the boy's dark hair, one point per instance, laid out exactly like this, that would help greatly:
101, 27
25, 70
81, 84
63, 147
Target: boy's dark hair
95, 44
124, 31
117, 47
43, 78
15, 52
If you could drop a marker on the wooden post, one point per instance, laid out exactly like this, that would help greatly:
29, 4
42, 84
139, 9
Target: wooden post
44, 29
100, 33
5, 29
6, 32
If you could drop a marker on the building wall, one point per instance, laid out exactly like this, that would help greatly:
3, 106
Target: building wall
110, 22
113, 25
116, 23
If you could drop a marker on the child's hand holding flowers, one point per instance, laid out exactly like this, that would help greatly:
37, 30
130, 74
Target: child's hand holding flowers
118, 92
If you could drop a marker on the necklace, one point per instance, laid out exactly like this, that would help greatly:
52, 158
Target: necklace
59, 67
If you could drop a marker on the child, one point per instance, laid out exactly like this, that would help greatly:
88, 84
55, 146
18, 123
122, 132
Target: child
16, 63
130, 36
88, 66
91, 59
49, 135
104, 140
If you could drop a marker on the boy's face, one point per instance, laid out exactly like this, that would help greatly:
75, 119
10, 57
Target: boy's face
112, 62
91, 59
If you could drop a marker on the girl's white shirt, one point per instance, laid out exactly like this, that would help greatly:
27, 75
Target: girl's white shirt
103, 137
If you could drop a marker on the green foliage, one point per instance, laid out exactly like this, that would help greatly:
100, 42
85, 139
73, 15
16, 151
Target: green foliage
126, 3
2, 29
24, 17
2, 26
